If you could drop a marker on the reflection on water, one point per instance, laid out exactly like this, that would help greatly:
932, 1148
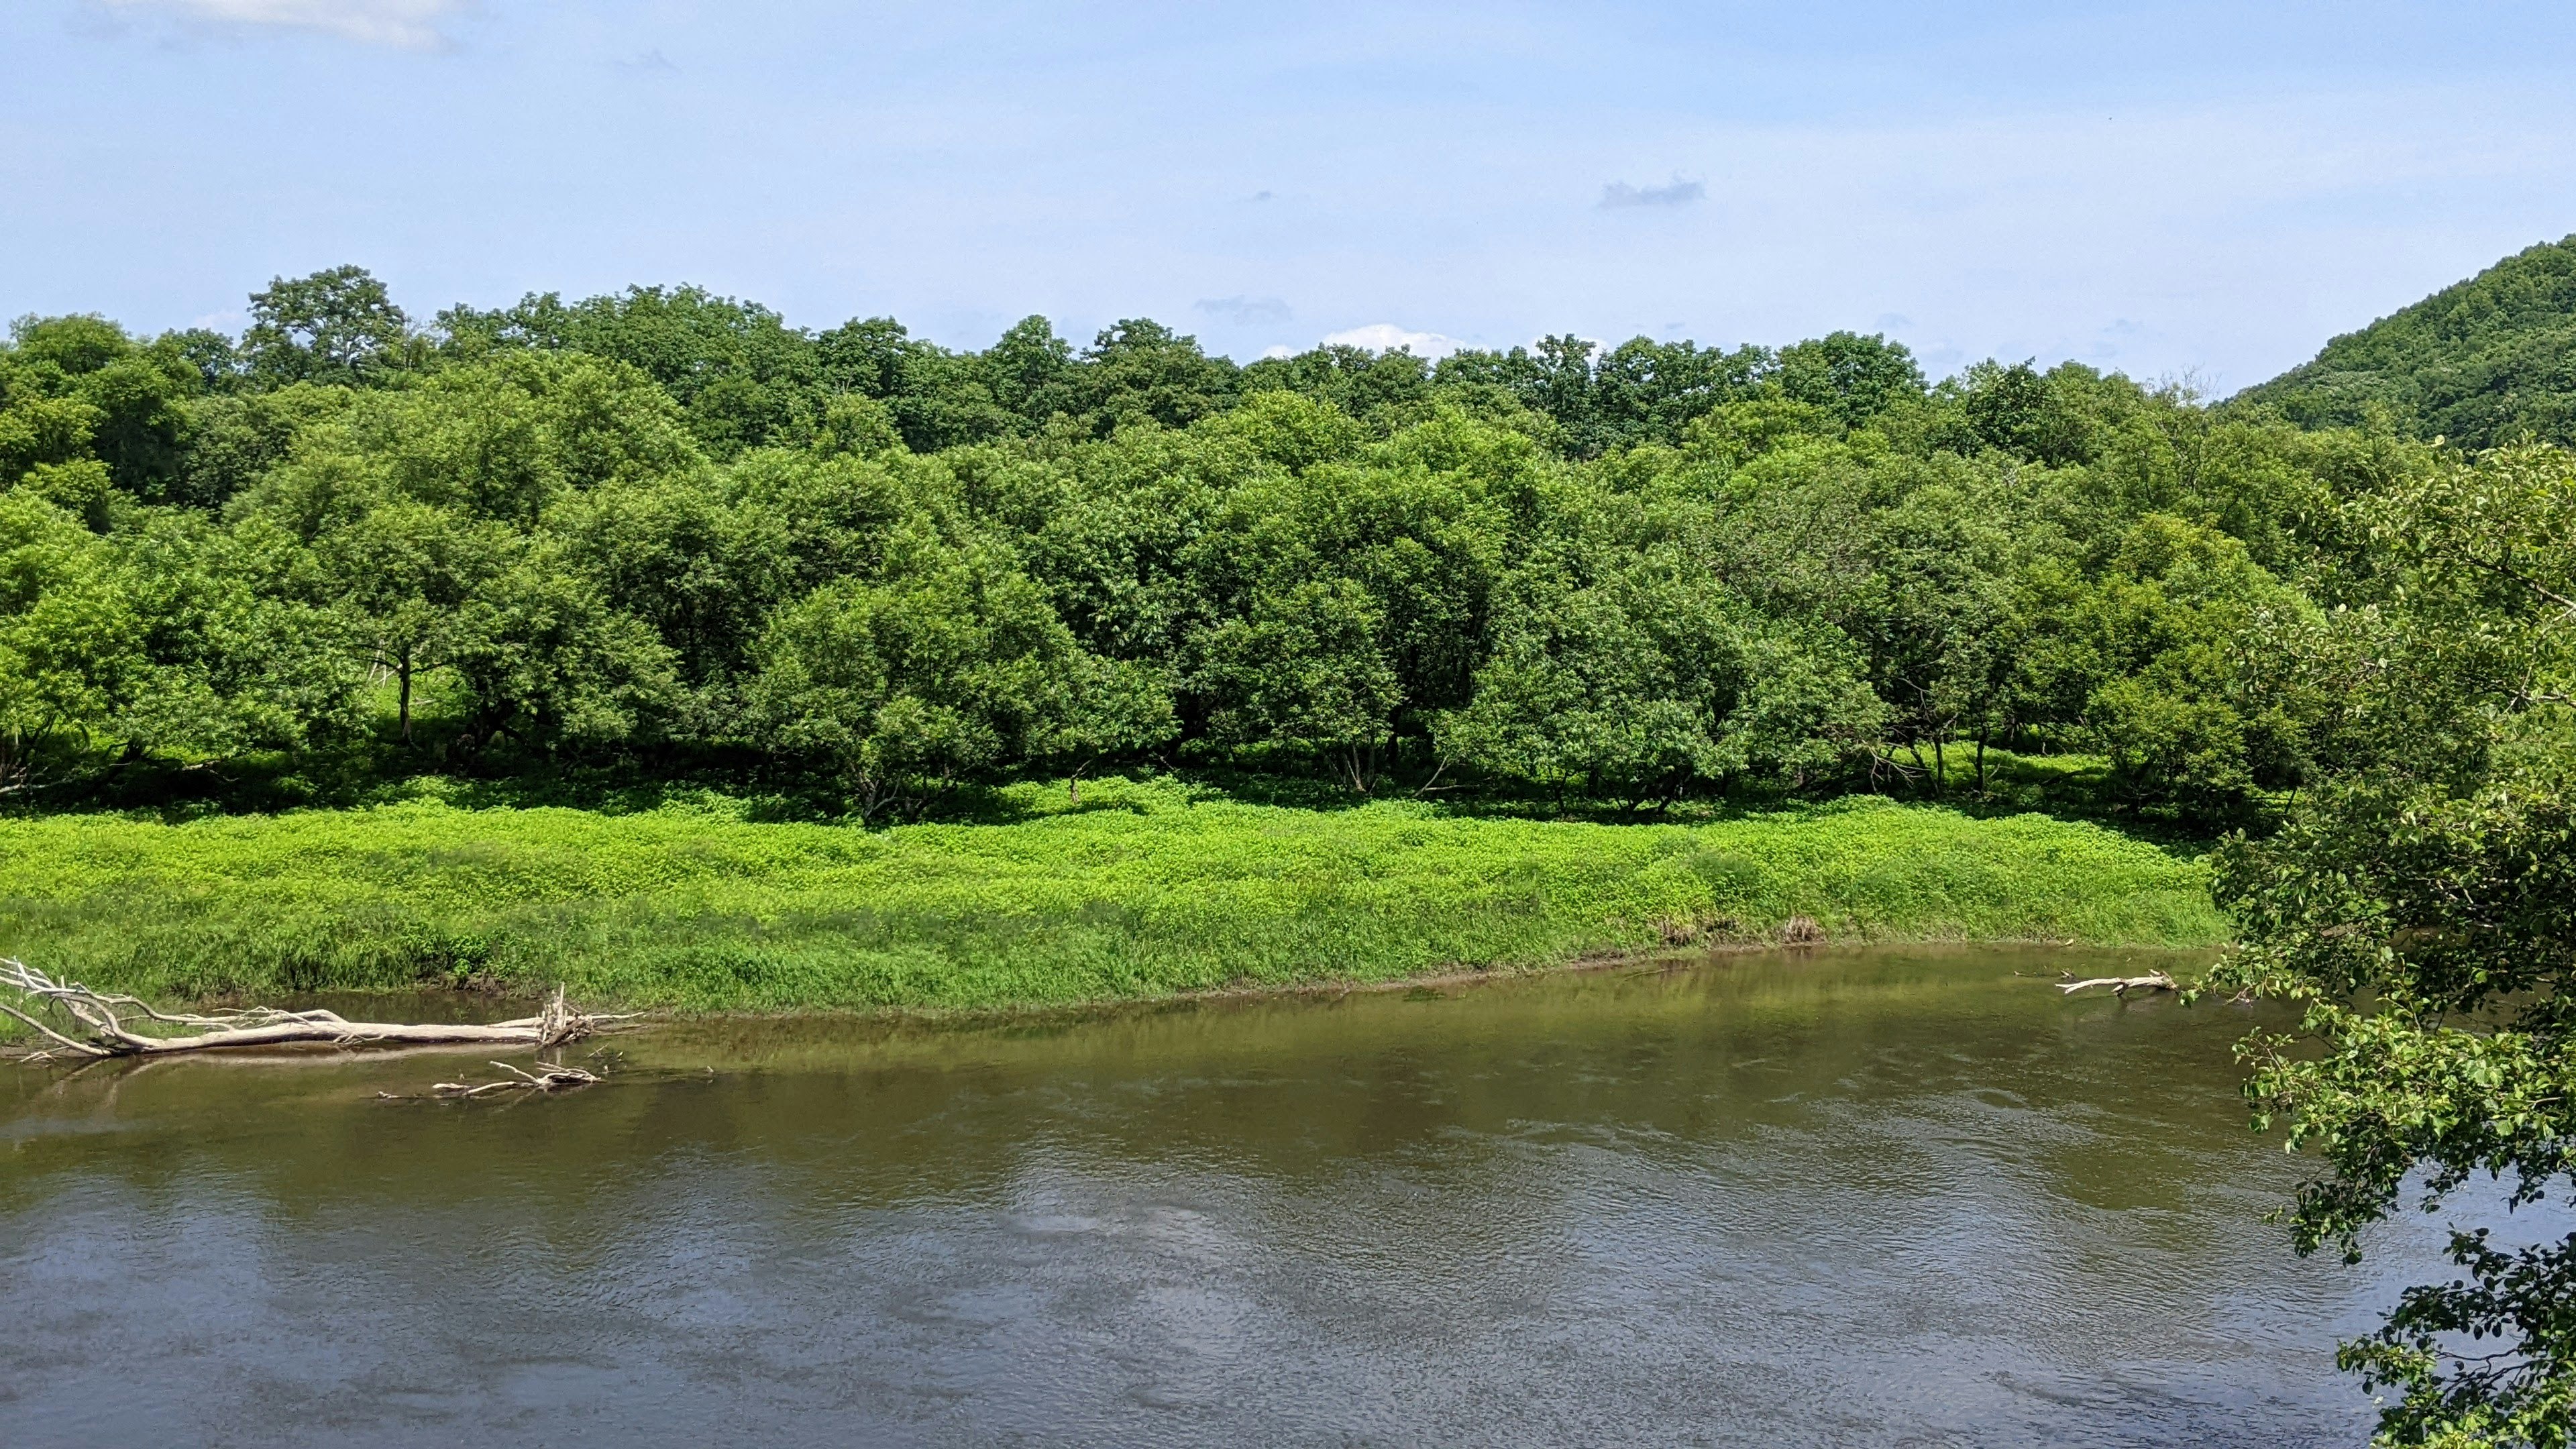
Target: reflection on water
1897, 1198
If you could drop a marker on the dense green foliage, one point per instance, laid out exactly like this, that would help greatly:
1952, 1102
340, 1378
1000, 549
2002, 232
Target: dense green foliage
2486, 362
2420, 901
1145, 890
669, 531
2421, 907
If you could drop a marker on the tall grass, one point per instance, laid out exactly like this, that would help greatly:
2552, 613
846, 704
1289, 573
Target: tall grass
1148, 892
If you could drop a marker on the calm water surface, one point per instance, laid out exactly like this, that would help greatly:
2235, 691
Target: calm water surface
1885, 1198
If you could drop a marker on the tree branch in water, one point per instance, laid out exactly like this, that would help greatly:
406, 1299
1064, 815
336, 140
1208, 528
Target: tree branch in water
550, 1077
2123, 985
104, 1024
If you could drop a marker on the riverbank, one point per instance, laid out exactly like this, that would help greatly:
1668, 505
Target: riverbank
1146, 893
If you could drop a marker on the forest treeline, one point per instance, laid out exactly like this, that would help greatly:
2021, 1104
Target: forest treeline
669, 528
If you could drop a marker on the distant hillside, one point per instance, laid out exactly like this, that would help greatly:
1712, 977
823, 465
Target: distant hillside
2478, 363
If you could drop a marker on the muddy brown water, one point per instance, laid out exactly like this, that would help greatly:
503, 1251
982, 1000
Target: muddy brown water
1897, 1197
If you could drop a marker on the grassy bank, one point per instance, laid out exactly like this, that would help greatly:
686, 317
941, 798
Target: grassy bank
1148, 892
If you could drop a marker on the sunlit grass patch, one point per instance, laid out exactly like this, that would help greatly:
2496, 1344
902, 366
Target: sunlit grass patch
1146, 891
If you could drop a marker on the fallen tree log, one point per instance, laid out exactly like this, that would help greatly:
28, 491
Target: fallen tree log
105, 1024
2123, 985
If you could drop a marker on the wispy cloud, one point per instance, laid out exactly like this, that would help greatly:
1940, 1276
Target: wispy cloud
406, 24
1245, 309
1675, 192
1387, 337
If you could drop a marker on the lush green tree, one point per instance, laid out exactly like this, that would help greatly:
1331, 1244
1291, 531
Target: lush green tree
505, 439
1118, 533
1648, 391
946, 666
2182, 631
1641, 391
741, 376
1855, 378
704, 556
232, 439
2025, 413
156, 640
70, 652
932, 397
215, 358
336, 326
237, 662
1809, 710
1382, 390
1936, 614
82, 488
36, 429
1381, 558
397, 578
541, 657
427, 511
1108, 708
70, 346
1553, 380
2419, 907
1650, 682
83, 388
1029, 369
1141, 371
1304, 672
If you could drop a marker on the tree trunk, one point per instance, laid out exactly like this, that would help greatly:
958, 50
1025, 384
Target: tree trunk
402, 678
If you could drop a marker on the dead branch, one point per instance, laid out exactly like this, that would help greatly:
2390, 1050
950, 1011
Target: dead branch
552, 1077
104, 1024
2123, 985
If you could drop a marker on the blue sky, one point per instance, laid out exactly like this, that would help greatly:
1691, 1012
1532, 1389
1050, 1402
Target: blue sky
2172, 189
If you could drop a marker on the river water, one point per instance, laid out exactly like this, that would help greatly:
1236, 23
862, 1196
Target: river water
1897, 1197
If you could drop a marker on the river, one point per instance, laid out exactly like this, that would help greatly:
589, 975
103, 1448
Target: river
1891, 1197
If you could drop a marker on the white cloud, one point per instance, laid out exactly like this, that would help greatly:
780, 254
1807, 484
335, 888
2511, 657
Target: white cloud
1678, 193
1386, 337
1245, 309
409, 24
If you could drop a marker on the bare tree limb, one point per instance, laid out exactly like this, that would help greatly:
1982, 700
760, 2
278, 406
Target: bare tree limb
553, 1077
2123, 985
105, 1023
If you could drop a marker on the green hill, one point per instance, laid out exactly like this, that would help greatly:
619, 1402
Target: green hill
2478, 363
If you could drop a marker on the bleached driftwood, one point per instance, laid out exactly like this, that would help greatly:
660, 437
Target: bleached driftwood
104, 1024
2123, 985
549, 1077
